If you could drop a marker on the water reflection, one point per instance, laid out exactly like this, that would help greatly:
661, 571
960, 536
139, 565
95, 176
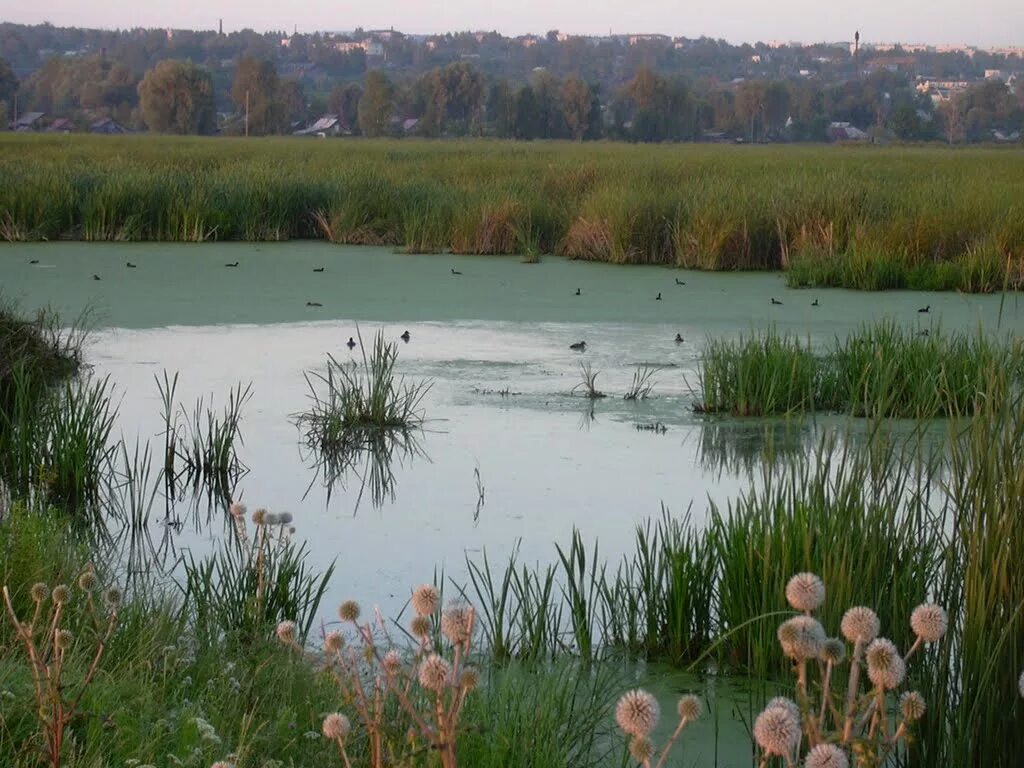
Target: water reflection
741, 448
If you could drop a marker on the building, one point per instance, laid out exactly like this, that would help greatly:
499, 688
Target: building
846, 132
61, 125
108, 127
30, 121
328, 125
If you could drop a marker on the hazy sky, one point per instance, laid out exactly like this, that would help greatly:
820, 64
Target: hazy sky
991, 22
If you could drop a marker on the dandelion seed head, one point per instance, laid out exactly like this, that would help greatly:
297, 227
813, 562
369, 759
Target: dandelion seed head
860, 623
457, 623
420, 627
833, 650
349, 610
285, 518
336, 727
87, 581
113, 597
61, 594
333, 641
827, 756
689, 708
801, 638
912, 706
805, 592
62, 639
641, 749
40, 591
286, 632
425, 599
435, 673
259, 516
788, 704
291, 530
886, 668
777, 731
469, 680
929, 622
237, 509
271, 518
392, 663
637, 713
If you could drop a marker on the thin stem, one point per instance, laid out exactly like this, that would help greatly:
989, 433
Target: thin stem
851, 691
672, 740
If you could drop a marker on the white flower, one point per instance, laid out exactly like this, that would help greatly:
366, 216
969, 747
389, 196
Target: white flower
805, 592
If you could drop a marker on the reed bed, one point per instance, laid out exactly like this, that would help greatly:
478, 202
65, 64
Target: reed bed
869, 218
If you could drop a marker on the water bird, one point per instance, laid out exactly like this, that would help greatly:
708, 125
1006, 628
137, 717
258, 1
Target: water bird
455, 271
680, 282
658, 297
34, 261
925, 332
235, 264
313, 304
679, 338
776, 301
130, 265
351, 343
814, 303
579, 346
318, 269
96, 277
925, 310
578, 292
405, 337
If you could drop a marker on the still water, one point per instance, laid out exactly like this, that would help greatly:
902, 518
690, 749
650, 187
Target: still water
510, 456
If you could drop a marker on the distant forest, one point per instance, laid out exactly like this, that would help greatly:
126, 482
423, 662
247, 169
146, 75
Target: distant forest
382, 82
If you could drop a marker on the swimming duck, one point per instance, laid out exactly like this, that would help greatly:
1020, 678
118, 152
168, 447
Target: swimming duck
814, 303
318, 269
925, 332
578, 293
579, 346
405, 337
658, 297
351, 343
455, 271
925, 310
313, 304
776, 301
96, 277
235, 264
130, 265
680, 282
679, 338
34, 261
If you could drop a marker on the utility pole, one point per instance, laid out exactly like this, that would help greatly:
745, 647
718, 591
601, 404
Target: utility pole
246, 113
856, 53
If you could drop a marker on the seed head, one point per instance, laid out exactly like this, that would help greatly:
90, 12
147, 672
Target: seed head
435, 673
457, 623
801, 638
349, 610
860, 623
777, 731
470, 679
271, 518
87, 581
782, 701
40, 591
392, 663
61, 594
336, 727
827, 756
333, 641
420, 627
286, 632
805, 592
637, 713
885, 665
259, 516
112, 597
929, 622
641, 749
285, 518
833, 650
62, 639
689, 708
425, 599
912, 706
237, 509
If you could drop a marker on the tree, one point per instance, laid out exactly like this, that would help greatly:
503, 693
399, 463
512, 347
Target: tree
8, 82
177, 97
576, 106
344, 102
905, 123
377, 104
256, 89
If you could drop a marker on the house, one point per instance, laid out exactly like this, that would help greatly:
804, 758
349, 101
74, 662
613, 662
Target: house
107, 126
409, 125
328, 125
30, 121
61, 125
846, 132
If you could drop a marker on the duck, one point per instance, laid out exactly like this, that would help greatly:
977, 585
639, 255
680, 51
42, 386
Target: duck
578, 292
925, 310
96, 277
679, 338
776, 302
579, 346
925, 332
455, 271
814, 303
680, 282
34, 261
405, 337
313, 304
235, 264
130, 265
658, 297
318, 269
351, 343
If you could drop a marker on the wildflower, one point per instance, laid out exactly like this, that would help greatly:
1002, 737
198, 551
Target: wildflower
457, 623
285, 518
270, 518
929, 622
827, 756
234, 685
860, 624
641, 749
833, 651
470, 679
39, 591
689, 708
425, 599
336, 726
435, 673
62, 639
87, 581
637, 713
912, 706
349, 610
333, 641
805, 592
286, 632
291, 530
113, 597
391, 662
885, 665
259, 515
788, 704
777, 731
801, 638
223, 764
420, 627
61, 594
237, 509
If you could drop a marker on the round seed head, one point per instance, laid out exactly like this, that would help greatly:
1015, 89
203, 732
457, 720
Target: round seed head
336, 727
420, 627
87, 581
833, 650
61, 594
392, 663
787, 704
885, 665
637, 713
827, 756
425, 599
470, 679
62, 639
349, 610
271, 518
801, 638
333, 641
113, 597
689, 708
860, 623
912, 706
457, 623
286, 632
777, 731
259, 516
805, 592
929, 622
285, 518
435, 673
40, 591
641, 749
237, 509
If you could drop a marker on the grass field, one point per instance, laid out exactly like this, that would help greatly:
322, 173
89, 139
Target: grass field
864, 217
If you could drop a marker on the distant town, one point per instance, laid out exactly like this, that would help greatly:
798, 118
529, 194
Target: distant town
633, 87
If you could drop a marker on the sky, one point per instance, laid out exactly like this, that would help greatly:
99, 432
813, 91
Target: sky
992, 23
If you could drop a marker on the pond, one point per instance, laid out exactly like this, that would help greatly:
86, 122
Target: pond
510, 457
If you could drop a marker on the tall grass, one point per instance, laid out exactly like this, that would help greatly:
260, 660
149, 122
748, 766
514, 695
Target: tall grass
871, 218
